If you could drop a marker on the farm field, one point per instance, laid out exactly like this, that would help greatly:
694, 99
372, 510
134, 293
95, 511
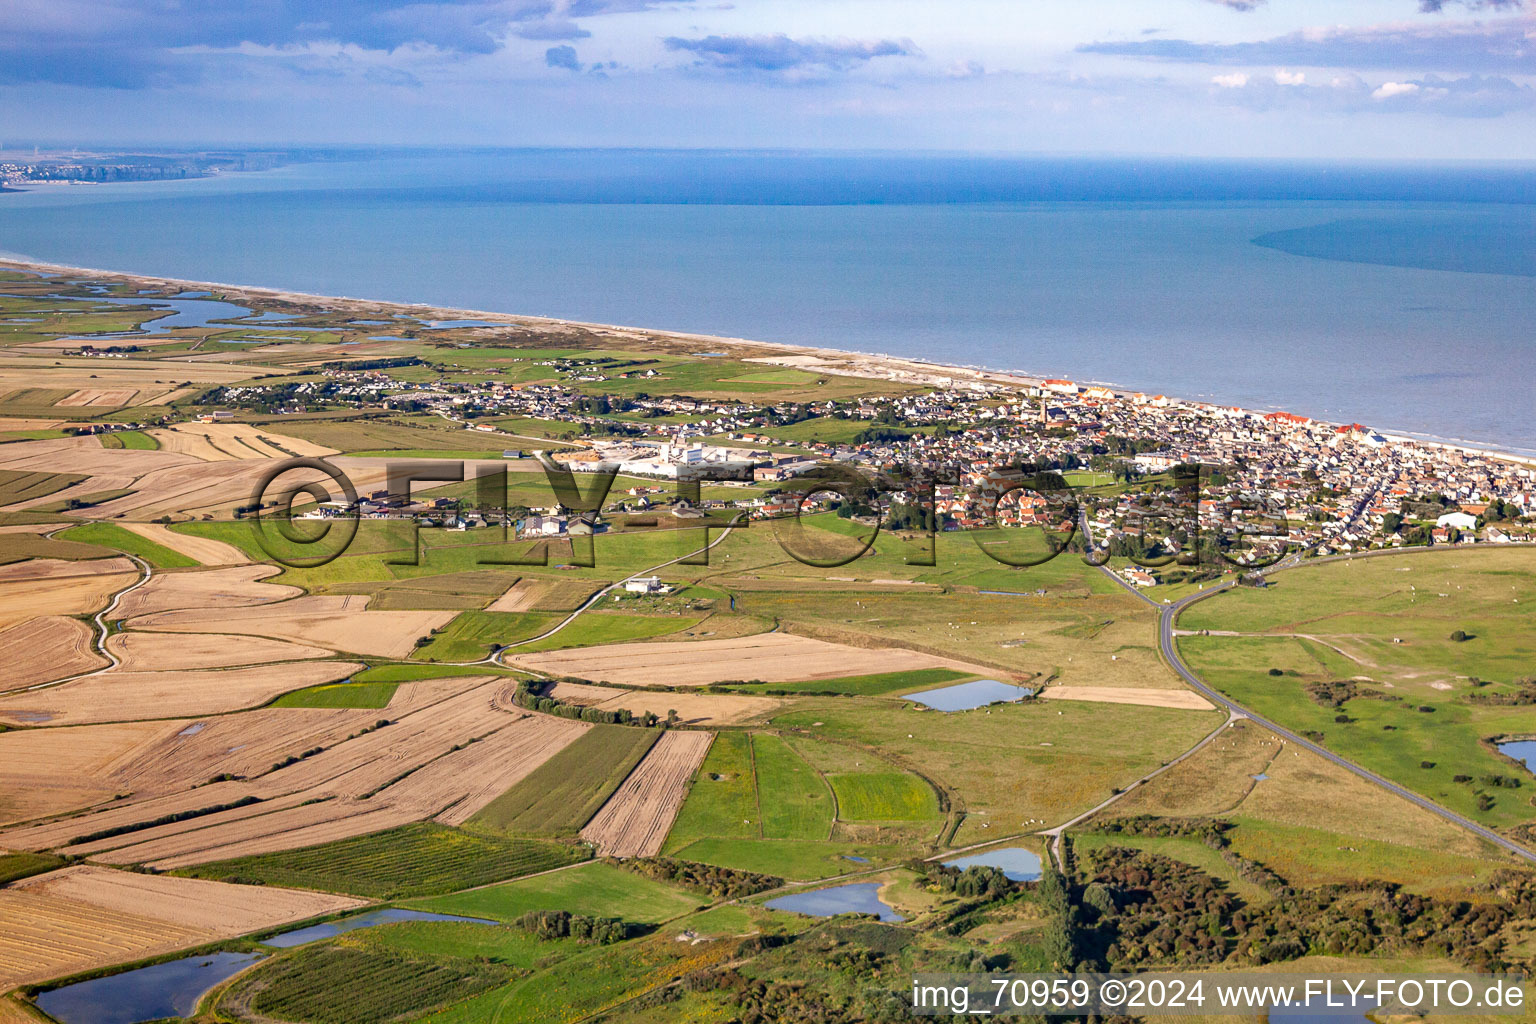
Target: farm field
340, 695
775, 656
119, 695
415, 860
875, 685
1075, 755
690, 708
597, 888
340, 983
635, 820
83, 917
73, 588
46, 648
310, 777
563, 793
345, 623
763, 804
133, 542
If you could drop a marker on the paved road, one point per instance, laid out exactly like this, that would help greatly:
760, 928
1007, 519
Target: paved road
1168, 615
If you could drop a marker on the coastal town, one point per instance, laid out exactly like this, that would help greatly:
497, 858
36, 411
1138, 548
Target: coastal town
1276, 482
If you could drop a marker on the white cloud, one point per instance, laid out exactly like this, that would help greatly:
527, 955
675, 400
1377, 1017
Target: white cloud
1283, 77
1236, 80
1387, 90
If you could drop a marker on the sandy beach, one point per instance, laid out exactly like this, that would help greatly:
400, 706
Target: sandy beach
876, 366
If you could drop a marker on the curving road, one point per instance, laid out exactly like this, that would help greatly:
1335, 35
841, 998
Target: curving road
1167, 616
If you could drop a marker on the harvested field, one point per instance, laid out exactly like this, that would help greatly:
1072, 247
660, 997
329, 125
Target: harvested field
80, 594
1188, 700
691, 708
194, 488
223, 442
636, 819
111, 397
204, 549
520, 597
237, 587
770, 657
356, 779
84, 917
60, 568
46, 648
50, 771
341, 621
167, 652
122, 696
85, 455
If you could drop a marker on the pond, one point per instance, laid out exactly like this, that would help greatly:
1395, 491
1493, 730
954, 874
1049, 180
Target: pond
1523, 751
331, 929
964, 696
1017, 863
855, 898
184, 311
446, 324
170, 989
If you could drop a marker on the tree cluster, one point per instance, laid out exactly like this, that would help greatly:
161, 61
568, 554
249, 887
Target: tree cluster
562, 924
720, 883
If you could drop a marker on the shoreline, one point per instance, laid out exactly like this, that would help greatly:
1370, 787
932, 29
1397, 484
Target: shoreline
870, 365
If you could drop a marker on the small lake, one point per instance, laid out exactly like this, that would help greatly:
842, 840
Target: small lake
855, 898
1523, 751
964, 696
1017, 863
372, 919
171, 989
446, 324
185, 311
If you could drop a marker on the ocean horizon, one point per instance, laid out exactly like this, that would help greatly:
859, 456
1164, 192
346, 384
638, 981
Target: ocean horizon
1368, 293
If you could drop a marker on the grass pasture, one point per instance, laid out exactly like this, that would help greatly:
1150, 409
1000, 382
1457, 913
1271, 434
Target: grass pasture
874, 685
883, 796
794, 799
18, 865
1013, 767
597, 889
110, 535
563, 793
414, 860
473, 635
1420, 706
132, 440
339, 695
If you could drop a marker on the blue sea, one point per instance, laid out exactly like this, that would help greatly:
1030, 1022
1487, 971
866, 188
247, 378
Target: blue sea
1400, 297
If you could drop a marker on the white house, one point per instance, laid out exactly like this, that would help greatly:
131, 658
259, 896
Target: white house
646, 585
1460, 520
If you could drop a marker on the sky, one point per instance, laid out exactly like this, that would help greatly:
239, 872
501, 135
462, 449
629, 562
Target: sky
1347, 79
